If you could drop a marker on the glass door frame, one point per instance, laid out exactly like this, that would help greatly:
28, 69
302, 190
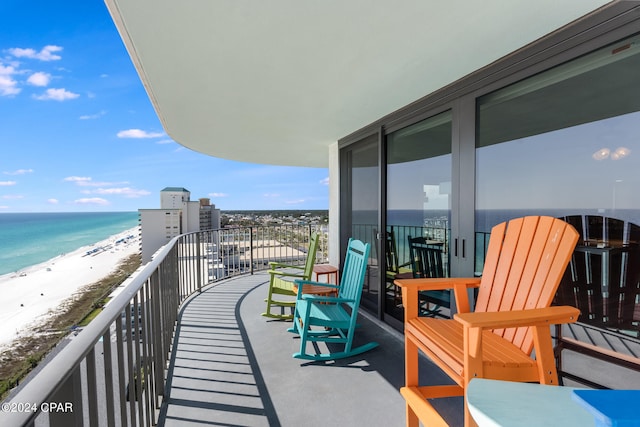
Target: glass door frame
462, 214
346, 208
462, 192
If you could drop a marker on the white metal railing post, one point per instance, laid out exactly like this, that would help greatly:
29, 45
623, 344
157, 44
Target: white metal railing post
198, 262
251, 249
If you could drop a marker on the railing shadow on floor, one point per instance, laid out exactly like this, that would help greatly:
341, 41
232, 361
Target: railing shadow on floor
213, 371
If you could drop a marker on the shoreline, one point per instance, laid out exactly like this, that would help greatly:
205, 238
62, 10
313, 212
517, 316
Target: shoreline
36, 292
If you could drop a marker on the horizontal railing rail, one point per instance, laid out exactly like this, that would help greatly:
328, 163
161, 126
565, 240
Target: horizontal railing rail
113, 372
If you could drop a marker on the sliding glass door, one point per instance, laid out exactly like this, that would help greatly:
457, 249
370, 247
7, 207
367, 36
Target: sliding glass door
418, 208
360, 207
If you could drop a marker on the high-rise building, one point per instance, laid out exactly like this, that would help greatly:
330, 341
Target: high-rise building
209, 215
174, 197
177, 215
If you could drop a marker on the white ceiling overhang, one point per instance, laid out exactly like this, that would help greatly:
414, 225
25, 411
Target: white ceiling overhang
276, 82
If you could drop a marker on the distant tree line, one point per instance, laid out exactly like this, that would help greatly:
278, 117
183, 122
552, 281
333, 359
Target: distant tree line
270, 217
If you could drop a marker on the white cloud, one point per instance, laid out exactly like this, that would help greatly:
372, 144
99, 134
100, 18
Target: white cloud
39, 79
77, 179
123, 191
19, 172
7, 183
13, 197
93, 116
92, 201
56, 95
52, 201
325, 181
45, 54
4, 207
218, 195
138, 133
294, 202
86, 181
164, 141
8, 85
270, 195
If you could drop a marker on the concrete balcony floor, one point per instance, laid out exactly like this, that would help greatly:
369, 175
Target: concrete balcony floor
233, 367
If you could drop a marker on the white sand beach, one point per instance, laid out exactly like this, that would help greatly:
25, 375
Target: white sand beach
34, 293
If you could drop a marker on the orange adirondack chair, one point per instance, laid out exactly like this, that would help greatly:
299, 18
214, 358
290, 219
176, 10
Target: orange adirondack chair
525, 261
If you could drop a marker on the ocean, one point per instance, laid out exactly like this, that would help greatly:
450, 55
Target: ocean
28, 239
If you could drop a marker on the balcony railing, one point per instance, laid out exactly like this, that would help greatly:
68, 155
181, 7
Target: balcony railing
114, 371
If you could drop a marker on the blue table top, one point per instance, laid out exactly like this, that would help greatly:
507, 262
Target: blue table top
612, 408
495, 403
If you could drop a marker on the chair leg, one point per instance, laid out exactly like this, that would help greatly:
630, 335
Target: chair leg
412, 418
272, 304
295, 328
410, 361
268, 301
544, 355
303, 332
411, 375
468, 419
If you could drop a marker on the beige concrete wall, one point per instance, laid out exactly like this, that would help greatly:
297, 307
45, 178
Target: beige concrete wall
334, 205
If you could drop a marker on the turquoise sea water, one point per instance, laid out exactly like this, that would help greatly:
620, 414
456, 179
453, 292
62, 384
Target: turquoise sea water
32, 238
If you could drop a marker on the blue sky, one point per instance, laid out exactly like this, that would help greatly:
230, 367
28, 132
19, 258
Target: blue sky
78, 133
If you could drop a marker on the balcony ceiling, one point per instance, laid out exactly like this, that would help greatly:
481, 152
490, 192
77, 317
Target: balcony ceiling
276, 82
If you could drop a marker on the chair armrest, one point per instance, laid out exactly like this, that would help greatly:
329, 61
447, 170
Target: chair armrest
275, 264
311, 282
410, 288
511, 319
538, 319
284, 273
323, 299
437, 284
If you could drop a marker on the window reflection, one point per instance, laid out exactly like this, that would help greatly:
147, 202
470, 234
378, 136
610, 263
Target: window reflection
363, 207
418, 206
563, 142
566, 143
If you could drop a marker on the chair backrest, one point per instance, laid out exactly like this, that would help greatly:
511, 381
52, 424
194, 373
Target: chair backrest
426, 259
526, 259
577, 222
606, 296
353, 274
594, 227
311, 256
601, 228
391, 252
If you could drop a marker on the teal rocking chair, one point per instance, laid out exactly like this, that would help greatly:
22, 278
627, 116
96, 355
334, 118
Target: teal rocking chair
281, 281
333, 319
